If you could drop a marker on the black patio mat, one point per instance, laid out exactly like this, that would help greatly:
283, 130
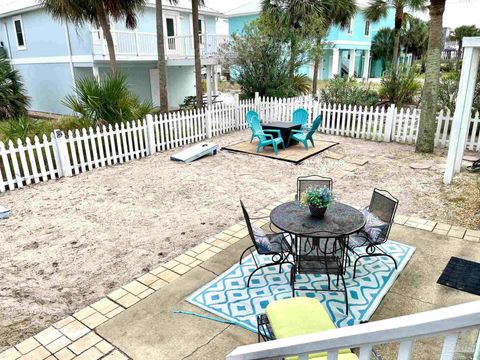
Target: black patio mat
461, 274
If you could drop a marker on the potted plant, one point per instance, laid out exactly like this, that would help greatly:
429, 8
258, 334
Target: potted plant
317, 199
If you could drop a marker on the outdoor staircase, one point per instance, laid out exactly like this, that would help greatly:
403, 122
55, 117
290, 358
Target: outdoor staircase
445, 322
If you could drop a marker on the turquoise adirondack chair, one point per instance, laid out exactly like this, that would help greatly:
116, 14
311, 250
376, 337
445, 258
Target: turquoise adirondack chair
265, 139
303, 137
250, 114
300, 116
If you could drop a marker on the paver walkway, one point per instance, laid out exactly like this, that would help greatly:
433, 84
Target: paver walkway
151, 330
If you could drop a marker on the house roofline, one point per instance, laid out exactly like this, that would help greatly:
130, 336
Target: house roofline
247, 13
20, 11
201, 11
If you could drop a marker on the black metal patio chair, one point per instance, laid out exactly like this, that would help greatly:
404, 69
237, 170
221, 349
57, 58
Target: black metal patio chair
326, 257
274, 245
304, 182
383, 207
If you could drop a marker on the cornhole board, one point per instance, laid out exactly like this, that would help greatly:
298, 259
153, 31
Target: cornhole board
4, 212
196, 152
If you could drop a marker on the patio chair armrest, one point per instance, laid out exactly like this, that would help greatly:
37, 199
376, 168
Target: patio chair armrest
269, 136
274, 131
296, 131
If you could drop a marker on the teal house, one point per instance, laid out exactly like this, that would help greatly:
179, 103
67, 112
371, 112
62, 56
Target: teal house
348, 50
50, 55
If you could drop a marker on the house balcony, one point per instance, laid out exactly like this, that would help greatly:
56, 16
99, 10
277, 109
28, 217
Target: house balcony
134, 45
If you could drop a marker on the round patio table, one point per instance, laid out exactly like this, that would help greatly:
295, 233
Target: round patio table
340, 220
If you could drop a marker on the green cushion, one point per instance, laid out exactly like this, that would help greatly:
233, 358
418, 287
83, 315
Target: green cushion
300, 316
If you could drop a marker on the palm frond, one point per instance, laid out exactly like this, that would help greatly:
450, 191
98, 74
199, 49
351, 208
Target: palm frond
376, 10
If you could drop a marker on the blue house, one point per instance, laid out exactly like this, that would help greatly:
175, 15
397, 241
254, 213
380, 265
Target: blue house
348, 50
51, 54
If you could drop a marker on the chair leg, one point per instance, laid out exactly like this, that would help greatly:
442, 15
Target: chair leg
283, 145
346, 294
251, 138
371, 255
258, 148
311, 140
243, 253
292, 279
275, 148
305, 143
254, 271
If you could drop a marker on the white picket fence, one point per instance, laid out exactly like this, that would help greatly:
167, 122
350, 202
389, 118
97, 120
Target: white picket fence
57, 155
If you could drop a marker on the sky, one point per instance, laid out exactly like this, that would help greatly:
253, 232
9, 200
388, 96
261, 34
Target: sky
457, 12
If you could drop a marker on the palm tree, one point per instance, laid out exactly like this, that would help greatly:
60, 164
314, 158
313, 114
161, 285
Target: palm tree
458, 35
378, 9
196, 47
162, 63
300, 18
382, 46
338, 12
426, 130
98, 13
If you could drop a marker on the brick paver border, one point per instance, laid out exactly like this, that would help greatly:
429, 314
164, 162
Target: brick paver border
75, 338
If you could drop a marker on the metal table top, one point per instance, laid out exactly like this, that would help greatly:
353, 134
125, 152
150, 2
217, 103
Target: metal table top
340, 220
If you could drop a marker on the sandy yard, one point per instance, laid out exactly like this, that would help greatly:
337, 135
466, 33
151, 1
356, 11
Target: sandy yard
72, 241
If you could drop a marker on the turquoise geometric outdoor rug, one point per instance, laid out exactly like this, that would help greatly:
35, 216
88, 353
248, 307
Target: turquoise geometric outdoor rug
227, 295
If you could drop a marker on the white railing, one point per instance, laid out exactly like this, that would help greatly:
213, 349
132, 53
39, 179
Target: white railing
446, 322
24, 161
138, 44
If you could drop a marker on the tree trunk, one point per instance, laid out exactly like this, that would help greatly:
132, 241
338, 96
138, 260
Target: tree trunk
293, 56
459, 54
396, 39
161, 63
105, 26
196, 46
316, 65
426, 131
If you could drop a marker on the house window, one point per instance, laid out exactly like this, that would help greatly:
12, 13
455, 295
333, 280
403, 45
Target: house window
171, 33
201, 30
367, 28
350, 27
19, 34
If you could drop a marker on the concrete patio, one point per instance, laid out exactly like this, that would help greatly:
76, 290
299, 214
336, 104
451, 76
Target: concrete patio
151, 330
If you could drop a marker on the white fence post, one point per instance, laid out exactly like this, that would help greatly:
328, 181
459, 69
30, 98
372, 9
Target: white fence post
237, 111
208, 123
257, 104
60, 147
389, 123
150, 135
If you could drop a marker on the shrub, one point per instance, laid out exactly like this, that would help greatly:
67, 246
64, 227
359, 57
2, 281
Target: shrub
260, 63
448, 90
301, 84
403, 89
107, 101
13, 101
348, 91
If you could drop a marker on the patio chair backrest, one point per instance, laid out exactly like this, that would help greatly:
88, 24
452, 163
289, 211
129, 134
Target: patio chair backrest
315, 125
249, 224
250, 114
300, 116
384, 206
304, 182
257, 128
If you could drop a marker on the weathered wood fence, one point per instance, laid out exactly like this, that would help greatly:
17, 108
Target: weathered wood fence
50, 157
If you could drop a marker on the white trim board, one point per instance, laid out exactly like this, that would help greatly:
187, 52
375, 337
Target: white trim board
348, 42
52, 60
